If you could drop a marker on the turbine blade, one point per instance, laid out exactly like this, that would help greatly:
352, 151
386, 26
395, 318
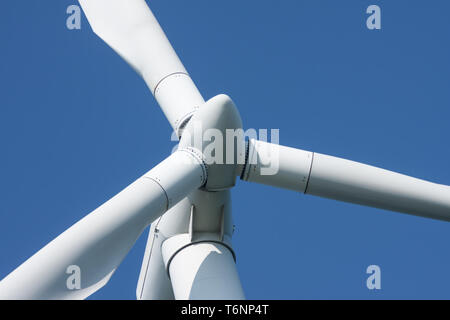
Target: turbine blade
153, 283
345, 180
82, 259
130, 28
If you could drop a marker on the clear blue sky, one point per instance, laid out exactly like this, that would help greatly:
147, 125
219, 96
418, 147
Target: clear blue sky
77, 125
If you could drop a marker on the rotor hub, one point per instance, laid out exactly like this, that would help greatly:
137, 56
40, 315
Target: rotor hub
215, 133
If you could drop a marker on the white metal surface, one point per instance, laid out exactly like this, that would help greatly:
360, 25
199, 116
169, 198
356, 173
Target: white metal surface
98, 243
179, 99
154, 283
130, 28
201, 270
207, 131
198, 214
345, 180
355, 182
211, 214
277, 165
178, 173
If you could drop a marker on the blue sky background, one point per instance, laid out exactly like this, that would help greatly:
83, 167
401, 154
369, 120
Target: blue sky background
77, 125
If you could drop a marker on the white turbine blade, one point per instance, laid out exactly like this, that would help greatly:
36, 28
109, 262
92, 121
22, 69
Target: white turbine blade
93, 248
154, 283
130, 28
345, 180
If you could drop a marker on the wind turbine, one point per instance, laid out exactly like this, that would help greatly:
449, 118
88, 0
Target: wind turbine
186, 197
